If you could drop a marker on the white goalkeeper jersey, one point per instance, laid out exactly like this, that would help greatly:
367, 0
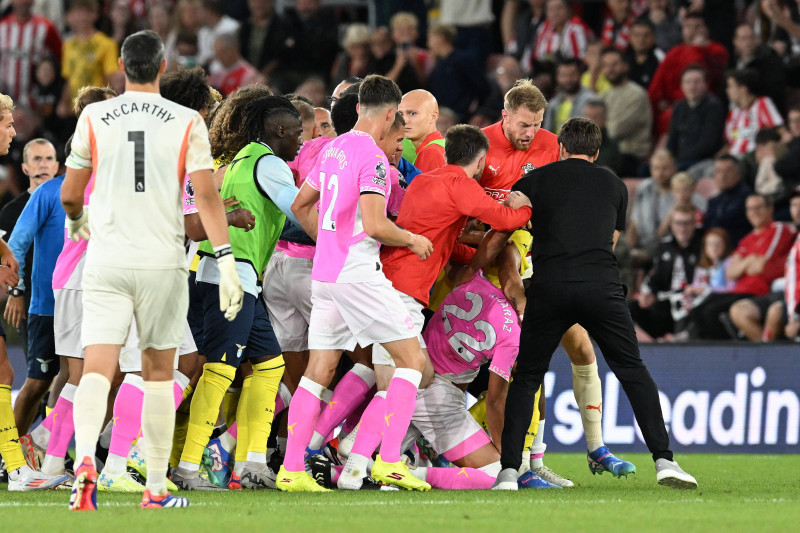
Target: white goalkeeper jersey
140, 147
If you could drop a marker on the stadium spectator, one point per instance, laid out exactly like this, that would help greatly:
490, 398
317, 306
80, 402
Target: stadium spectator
571, 97
120, 21
25, 39
750, 112
353, 60
681, 186
315, 41
90, 56
561, 34
726, 210
698, 121
262, 37
314, 89
630, 118
757, 262
696, 48
618, 24
235, 71
215, 23
788, 165
186, 25
520, 21
472, 20
502, 78
643, 56
158, 19
593, 78
749, 53
659, 305
447, 119
405, 34
454, 80
391, 61
661, 13
651, 205
609, 157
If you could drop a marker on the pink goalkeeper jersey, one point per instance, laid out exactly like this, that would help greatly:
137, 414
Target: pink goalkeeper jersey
475, 324
351, 165
69, 265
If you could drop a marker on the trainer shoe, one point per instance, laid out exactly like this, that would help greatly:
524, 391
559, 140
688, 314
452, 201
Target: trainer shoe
506, 480
216, 462
297, 482
30, 452
397, 474
551, 477
121, 483
320, 467
257, 476
235, 483
669, 474
136, 459
151, 501
187, 480
601, 460
25, 478
84, 488
530, 480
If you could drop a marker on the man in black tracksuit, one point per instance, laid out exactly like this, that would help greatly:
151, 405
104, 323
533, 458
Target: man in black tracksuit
578, 214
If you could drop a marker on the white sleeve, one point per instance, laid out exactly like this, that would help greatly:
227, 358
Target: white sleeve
276, 180
80, 156
198, 149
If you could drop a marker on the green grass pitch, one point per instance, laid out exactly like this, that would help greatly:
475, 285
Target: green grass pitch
737, 493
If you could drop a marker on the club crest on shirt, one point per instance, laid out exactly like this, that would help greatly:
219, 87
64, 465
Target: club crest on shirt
527, 167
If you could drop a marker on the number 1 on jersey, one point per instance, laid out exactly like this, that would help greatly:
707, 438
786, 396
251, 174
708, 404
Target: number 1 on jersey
137, 138
327, 221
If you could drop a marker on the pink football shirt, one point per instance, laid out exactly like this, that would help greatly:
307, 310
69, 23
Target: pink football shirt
475, 324
351, 165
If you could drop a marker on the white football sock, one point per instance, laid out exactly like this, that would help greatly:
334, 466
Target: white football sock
158, 423
89, 410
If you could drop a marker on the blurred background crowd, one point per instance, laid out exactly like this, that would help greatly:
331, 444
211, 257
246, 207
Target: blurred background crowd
698, 101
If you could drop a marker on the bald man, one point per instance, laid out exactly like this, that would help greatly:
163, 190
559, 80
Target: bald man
423, 145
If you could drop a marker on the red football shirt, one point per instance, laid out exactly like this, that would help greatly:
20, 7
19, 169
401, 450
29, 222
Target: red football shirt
505, 165
437, 204
430, 156
774, 241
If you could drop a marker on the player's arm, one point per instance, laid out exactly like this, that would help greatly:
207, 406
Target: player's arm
496, 407
510, 215
509, 262
238, 218
490, 246
79, 172
305, 211
383, 230
276, 179
616, 238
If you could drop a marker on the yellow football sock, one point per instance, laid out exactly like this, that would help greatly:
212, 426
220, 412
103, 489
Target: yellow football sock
9, 438
206, 401
261, 403
242, 439
534, 427
181, 427
230, 404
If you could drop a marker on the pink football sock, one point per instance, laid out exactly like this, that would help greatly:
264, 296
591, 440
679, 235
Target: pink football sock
354, 417
458, 478
401, 400
178, 393
233, 431
370, 429
127, 417
303, 415
62, 426
336, 472
48, 421
348, 395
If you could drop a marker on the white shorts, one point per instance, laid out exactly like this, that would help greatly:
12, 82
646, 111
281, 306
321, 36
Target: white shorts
67, 320
287, 294
130, 357
346, 314
159, 299
441, 416
379, 354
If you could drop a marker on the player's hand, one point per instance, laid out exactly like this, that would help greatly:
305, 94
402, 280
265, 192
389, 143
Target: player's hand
78, 228
516, 200
8, 277
15, 310
8, 260
515, 294
421, 246
230, 202
241, 218
230, 287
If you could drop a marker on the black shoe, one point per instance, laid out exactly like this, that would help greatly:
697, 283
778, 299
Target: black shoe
320, 467
275, 461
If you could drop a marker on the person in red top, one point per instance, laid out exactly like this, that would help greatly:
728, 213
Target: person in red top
517, 144
757, 262
665, 89
236, 72
423, 145
437, 204
25, 39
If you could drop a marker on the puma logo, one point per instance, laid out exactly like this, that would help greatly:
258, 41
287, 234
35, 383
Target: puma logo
598, 407
330, 404
291, 428
387, 417
463, 471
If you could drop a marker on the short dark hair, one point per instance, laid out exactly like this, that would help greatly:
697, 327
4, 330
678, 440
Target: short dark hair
259, 111
352, 88
766, 135
187, 87
571, 62
746, 77
612, 50
142, 54
694, 15
730, 159
217, 6
696, 67
447, 32
344, 115
379, 91
463, 144
89, 95
767, 200
644, 21
580, 136
399, 122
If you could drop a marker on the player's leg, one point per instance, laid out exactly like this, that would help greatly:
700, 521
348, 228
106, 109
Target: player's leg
776, 321
604, 313
746, 316
43, 366
588, 393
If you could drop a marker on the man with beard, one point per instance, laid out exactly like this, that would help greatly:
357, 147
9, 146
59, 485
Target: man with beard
571, 97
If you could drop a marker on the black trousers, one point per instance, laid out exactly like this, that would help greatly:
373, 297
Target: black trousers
655, 320
706, 316
600, 307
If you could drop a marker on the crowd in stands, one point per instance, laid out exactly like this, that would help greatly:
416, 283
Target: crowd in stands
698, 102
